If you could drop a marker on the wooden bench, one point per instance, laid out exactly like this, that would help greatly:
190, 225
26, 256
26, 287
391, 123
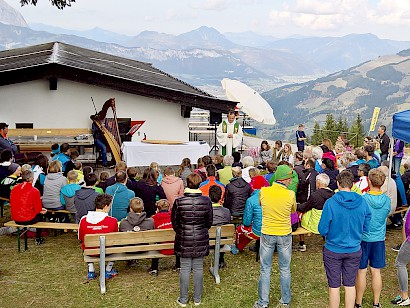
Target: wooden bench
400, 210
22, 229
146, 245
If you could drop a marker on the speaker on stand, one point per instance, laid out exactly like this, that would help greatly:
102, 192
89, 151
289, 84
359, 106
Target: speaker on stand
215, 118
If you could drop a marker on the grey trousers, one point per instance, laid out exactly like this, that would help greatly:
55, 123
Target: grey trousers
403, 258
197, 267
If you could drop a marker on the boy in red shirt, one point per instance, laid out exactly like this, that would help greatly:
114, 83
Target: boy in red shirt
162, 220
96, 222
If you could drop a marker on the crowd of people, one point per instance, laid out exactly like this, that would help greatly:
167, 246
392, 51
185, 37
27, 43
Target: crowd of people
341, 193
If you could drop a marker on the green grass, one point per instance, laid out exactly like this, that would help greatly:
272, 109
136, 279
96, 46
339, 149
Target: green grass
53, 275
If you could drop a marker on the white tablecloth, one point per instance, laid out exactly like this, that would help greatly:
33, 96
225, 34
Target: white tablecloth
142, 154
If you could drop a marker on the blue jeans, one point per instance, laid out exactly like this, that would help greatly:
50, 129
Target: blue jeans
267, 247
197, 267
101, 146
384, 157
396, 164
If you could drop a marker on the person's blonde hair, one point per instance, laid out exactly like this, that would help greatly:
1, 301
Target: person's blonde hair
289, 147
25, 167
254, 172
72, 175
154, 165
218, 159
55, 166
121, 166
327, 142
236, 172
163, 204
137, 205
248, 161
104, 175
376, 177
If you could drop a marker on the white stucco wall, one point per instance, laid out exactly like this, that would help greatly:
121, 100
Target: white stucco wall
70, 106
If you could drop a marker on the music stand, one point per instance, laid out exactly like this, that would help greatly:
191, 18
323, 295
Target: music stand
215, 147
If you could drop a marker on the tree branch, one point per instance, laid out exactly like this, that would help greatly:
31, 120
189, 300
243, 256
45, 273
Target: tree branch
59, 4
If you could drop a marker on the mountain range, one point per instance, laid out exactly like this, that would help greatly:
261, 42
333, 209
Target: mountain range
369, 71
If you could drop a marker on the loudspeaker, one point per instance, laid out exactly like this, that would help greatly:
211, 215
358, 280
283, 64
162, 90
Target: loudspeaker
215, 117
186, 111
53, 83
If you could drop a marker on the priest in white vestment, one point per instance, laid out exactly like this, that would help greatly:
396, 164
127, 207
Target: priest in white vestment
229, 134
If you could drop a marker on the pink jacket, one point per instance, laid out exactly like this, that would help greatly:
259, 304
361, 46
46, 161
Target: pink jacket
173, 187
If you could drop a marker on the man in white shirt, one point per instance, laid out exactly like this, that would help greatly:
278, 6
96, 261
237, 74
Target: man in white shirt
229, 134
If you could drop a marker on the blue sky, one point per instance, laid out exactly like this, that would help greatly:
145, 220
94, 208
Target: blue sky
278, 18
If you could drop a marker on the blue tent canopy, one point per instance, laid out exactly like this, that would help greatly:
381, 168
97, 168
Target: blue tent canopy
401, 126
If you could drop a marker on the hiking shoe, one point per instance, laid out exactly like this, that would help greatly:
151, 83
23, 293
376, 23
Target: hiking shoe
153, 272
110, 274
197, 303
396, 248
39, 241
91, 275
404, 302
396, 300
302, 248
357, 305
257, 305
234, 249
376, 305
180, 304
222, 265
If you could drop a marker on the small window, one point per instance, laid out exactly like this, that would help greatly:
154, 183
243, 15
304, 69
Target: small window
24, 125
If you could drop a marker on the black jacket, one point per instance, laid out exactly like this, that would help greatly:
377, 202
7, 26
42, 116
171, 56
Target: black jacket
236, 193
354, 169
308, 186
150, 194
384, 143
332, 175
316, 200
191, 218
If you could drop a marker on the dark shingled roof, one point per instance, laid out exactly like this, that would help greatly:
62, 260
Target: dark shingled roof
60, 60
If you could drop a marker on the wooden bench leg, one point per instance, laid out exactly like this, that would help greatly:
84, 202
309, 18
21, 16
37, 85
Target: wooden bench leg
25, 239
18, 239
215, 268
102, 264
2, 207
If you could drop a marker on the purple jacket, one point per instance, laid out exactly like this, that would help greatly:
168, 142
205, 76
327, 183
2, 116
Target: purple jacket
398, 148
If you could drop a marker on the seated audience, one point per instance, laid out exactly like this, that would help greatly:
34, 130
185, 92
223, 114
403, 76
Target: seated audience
64, 158
271, 168
162, 220
248, 163
287, 154
119, 166
84, 198
155, 166
104, 175
265, 153
369, 151
68, 192
277, 154
184, 170
363, 183
225, 174
7, 184
132, 174
6, 158
236, 193
54, 182
221, 215
328, 167
312, 208
218, 159
5, 142
136, 219
96, 222
210, 181
25, 204
200, 169
173, 186
121, 196
78, 168
252, 219
237, 160
149, 190
309, 185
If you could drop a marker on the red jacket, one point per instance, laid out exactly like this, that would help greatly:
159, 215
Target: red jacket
162, 220
25, 202
96, 223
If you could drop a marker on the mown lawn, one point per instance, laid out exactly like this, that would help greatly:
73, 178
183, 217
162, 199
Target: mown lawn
54, 275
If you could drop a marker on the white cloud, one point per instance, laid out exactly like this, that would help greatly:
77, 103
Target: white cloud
213, 5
